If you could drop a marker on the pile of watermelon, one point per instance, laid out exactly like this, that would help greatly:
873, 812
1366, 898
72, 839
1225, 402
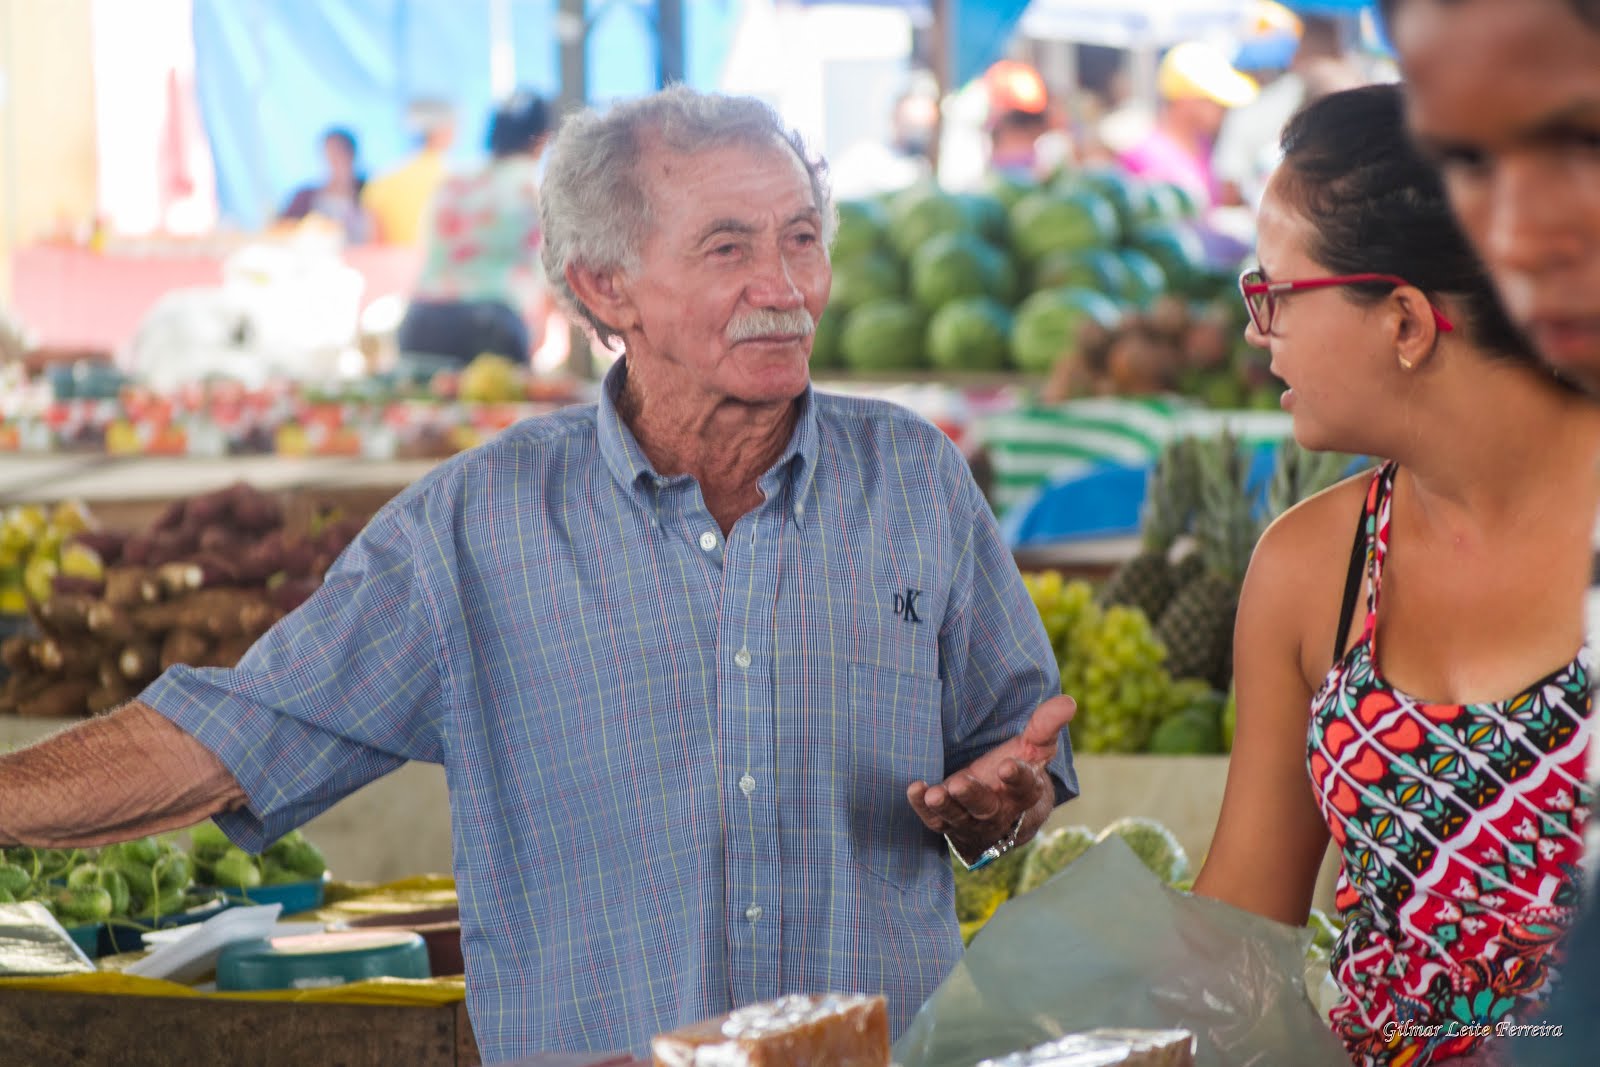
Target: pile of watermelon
1009, 279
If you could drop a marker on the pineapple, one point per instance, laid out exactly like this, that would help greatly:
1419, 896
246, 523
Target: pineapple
1189, 568
1298, 473
1146, 581
1197, 625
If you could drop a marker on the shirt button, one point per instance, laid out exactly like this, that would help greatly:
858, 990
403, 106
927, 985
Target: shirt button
799, 510
747, 785
742, 657
708, 541
753, 912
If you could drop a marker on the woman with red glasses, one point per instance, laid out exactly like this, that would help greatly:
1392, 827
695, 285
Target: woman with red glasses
1408, 653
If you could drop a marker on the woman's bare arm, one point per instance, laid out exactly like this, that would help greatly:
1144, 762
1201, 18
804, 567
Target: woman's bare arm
1270, 837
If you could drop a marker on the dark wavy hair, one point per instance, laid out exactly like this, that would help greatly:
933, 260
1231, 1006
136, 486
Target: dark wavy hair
516, 123
1377, 205
1587, 10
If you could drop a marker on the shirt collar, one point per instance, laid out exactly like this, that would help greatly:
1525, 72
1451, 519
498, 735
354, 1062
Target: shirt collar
634, 472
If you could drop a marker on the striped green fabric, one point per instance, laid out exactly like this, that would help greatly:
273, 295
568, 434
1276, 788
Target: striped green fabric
1037, 444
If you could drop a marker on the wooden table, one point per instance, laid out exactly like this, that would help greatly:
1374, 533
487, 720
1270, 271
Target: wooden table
43, 1029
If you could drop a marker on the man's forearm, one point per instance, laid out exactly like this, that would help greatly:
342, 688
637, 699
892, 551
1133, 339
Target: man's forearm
121, 776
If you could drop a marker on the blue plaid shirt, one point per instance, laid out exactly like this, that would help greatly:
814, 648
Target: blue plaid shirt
677, 763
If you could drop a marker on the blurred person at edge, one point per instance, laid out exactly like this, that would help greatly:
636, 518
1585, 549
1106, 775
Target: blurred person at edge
338, 196
1295, 61
481, 288
1426, 733
398, 199
1197, 87
1505, 96
1016, 120
720, 668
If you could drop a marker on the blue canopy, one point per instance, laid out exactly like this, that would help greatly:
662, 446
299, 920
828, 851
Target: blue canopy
271, 75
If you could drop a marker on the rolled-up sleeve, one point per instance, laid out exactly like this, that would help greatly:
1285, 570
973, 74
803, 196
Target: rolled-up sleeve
339, 693
997, 662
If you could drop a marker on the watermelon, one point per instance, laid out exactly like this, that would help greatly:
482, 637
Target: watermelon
921, 213
1002, 281
1122, 191
1006, 189
825, 341
989, 216
1049, 322
1100, 269
1146, 278
1177, 249
1046, 222
1171, 202
875, 276
863, 228
970, 334
883, 335
948, 267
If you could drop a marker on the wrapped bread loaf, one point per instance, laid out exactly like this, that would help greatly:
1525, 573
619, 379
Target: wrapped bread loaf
1107, 1048
795, 1031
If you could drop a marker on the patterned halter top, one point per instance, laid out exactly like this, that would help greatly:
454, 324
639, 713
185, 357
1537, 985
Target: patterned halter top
1460, 831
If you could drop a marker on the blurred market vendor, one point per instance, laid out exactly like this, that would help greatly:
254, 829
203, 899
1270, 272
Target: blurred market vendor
481, 287
398, 199
338, 196
1197, 86
715, 667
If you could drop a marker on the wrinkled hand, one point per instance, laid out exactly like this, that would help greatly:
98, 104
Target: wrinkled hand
977, 806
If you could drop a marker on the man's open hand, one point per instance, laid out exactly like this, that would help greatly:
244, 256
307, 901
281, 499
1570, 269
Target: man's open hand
977, 806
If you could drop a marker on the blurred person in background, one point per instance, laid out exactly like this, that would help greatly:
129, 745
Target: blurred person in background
1313, 60
1197, 87
1017, 119
874, 166
338, 196
1505, 96
398, 199
481, 288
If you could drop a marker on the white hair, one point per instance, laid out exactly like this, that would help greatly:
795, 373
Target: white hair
596, 212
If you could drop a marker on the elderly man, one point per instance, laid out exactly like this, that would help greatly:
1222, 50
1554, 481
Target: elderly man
1506, 94
690, 657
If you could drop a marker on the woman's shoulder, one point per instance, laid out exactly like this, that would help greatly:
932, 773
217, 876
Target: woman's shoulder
1301, 560
1325, 521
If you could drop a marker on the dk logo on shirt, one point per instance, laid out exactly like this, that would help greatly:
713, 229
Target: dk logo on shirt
905, 605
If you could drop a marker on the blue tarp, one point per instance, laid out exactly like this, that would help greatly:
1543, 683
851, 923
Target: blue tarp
273, 74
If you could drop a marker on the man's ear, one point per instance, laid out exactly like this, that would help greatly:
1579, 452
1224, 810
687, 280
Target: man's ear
1416, 332
605, 293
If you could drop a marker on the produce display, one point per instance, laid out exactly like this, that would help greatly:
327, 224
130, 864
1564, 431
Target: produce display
34, 549
198, 587
410, 412
1022, 278
980, 893
145, 883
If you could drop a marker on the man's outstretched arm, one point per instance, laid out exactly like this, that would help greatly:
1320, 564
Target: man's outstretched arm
116, 777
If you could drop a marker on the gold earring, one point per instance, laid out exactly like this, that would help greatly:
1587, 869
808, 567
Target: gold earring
1406, 363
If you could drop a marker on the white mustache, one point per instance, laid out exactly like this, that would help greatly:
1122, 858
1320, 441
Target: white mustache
770, 323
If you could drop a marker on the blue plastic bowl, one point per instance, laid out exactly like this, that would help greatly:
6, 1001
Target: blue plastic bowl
294, 896
127, 935
88, 938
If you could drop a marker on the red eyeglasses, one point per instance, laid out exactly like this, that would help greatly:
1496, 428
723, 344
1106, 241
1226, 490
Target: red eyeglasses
1261, 296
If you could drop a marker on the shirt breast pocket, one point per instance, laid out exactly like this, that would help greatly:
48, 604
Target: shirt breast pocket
895, 739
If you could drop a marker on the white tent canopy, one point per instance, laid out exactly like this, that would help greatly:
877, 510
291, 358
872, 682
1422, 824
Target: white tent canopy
1134, 24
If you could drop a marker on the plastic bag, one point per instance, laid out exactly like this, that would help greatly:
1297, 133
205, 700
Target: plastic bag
1105, 944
